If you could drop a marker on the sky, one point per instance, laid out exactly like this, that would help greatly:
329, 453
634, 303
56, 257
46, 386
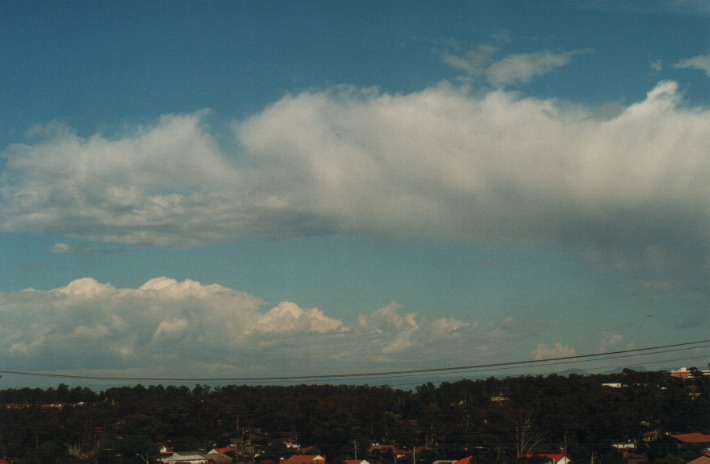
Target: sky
251, 190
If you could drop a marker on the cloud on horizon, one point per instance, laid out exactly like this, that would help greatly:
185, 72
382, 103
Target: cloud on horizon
171, 328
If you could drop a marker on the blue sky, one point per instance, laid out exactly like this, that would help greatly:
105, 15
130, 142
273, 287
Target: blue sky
257, 189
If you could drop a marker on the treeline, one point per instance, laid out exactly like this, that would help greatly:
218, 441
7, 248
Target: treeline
497, 420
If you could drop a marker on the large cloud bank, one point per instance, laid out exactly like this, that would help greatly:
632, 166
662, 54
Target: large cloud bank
177, 329
443, 163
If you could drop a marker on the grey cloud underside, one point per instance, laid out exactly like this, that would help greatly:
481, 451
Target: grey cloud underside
441, 163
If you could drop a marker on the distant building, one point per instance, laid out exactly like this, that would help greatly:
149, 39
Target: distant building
551, 458
688, 373
682, 373
185, 457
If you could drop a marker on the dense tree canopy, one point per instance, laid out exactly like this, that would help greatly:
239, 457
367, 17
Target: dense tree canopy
497, 420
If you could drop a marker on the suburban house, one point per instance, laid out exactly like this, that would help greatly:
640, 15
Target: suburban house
218, 456
686, 373
466, 460
304, 459
682, 373
704, 459
551, 458
184, 457
693, 440
355, 461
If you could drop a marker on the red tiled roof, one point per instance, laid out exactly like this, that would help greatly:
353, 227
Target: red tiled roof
304, 459
693, 437
466, 460
704, 459
555, 457
225, 449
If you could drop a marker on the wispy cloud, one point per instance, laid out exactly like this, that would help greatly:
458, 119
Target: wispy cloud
62, 248
472, 63
480, 63
677, 7
522, 68
699, 62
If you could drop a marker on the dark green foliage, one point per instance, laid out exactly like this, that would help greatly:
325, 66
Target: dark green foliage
496, 420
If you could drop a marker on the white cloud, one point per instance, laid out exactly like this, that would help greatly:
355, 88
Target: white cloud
288, 317
688, 7
611, 342
558, 350
175, 328
171, 328
441, 163
656, 65
474, 62
61, 248
522, 68
512, 69
700, 62
144, 187
85, 288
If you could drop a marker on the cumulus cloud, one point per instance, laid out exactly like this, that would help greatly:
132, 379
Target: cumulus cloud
558, 350
171, 328
441, 163
289, 317
176, 328
613, 342
145, 187
700, 62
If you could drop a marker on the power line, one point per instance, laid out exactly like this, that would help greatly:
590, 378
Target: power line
393, 373
497, 367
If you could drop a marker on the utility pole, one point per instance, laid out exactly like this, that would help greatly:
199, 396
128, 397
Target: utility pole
355, 449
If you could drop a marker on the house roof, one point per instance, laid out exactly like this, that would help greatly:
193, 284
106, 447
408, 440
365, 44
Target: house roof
466, 460
355, 461
693, 437
222, 450
304, 459
704, 459
219, 458
554, 457
186, 456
